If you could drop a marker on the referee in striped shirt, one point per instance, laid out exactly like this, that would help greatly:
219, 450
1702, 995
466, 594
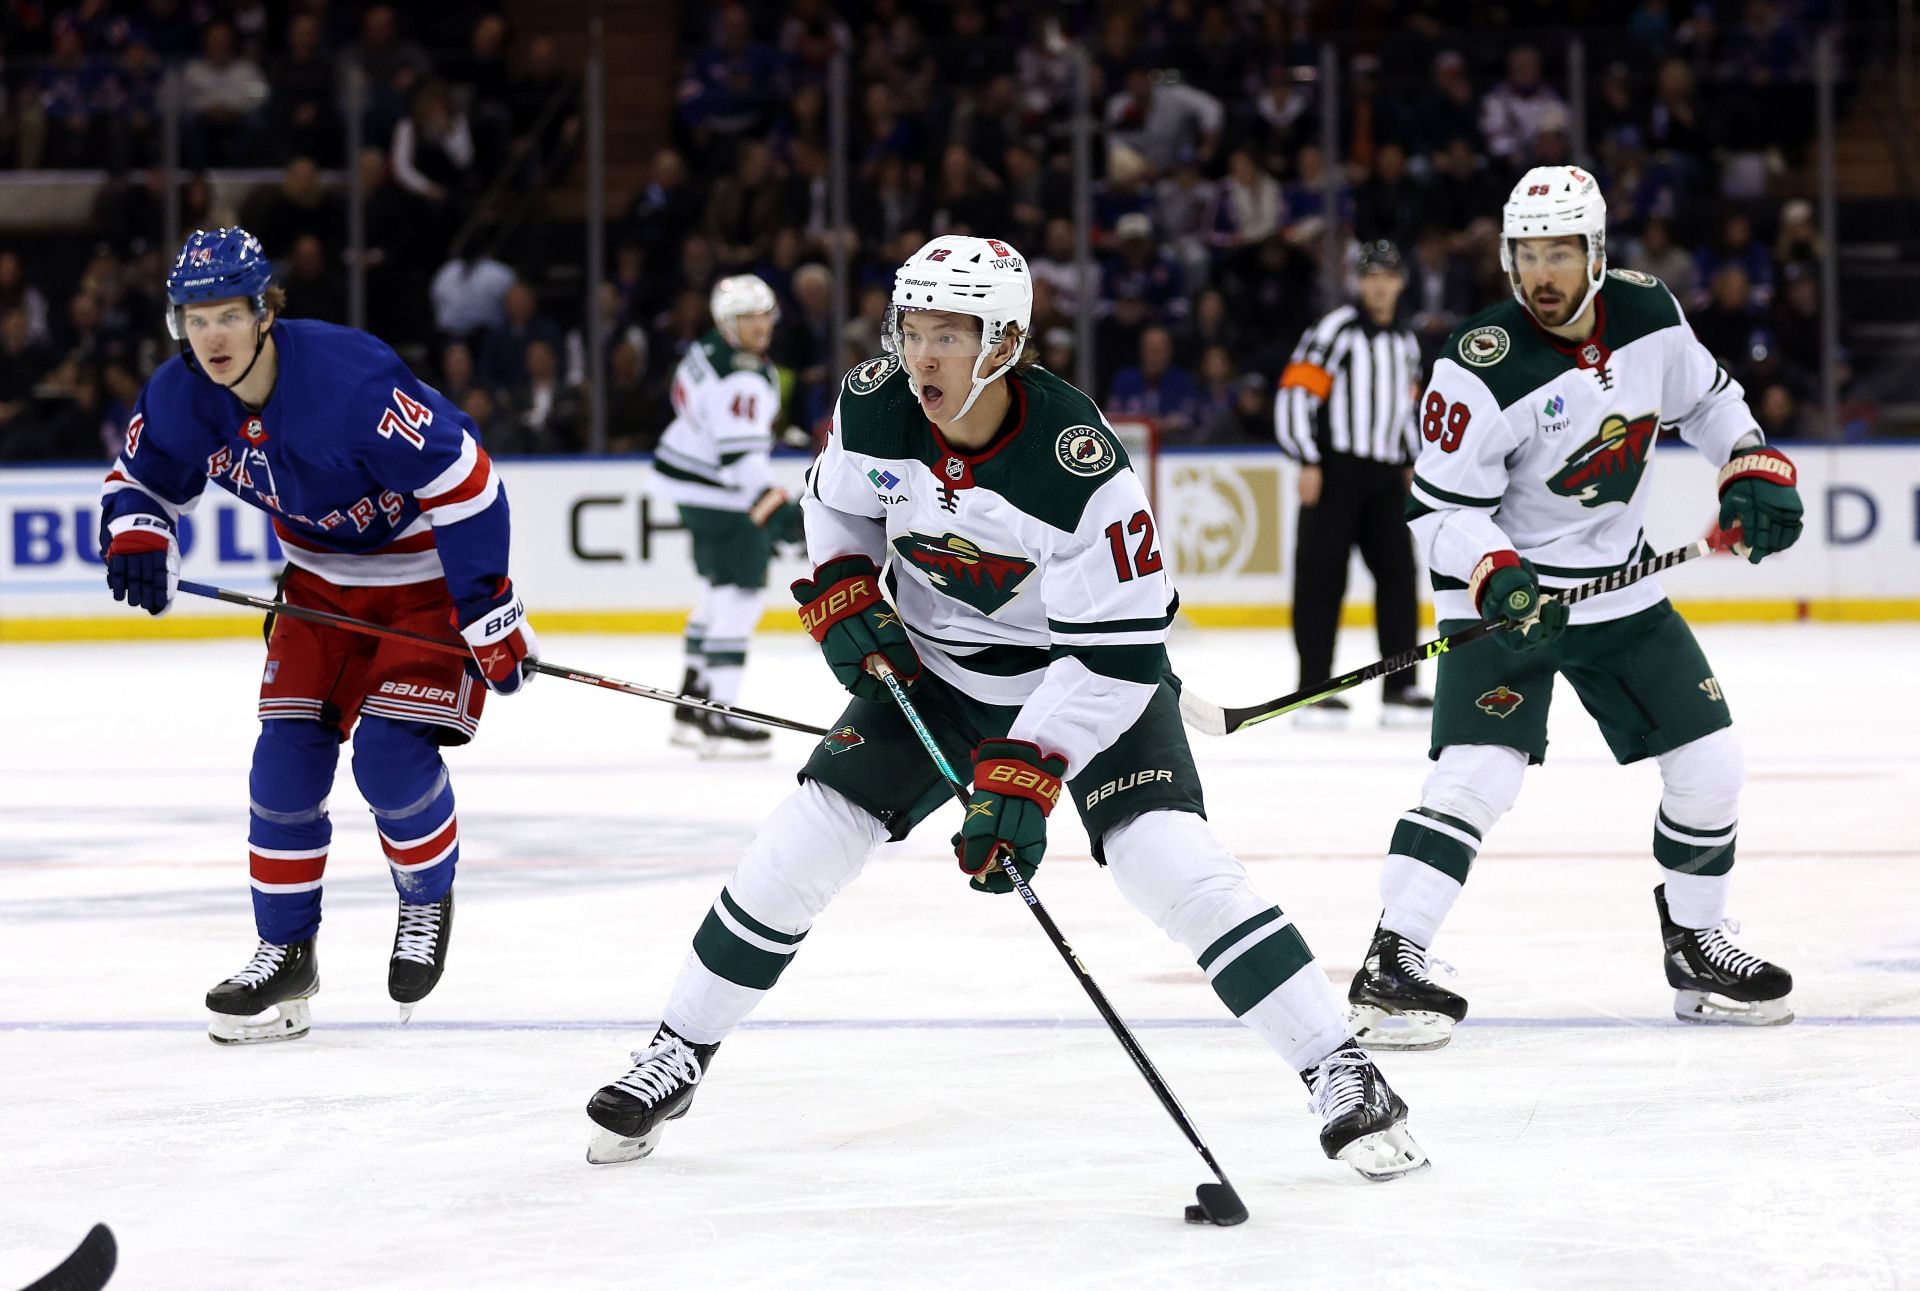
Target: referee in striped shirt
1344, 411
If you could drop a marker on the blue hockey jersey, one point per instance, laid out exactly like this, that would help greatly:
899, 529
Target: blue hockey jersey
373, 477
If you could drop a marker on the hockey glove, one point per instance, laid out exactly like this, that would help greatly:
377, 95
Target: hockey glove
502, 641
1504, 586
1757, 492
143, 561
842, 607
1014, 789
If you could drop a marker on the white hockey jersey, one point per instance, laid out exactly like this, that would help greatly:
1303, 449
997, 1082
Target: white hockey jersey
1543, 446
716, 452
1028, 574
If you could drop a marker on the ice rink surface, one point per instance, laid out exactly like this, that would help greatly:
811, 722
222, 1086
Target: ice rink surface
928, 1099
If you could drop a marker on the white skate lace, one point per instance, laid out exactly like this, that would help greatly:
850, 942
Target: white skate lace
660, 1069
266, 961
1724, 955
1418, 964
419, 933
1340, 1085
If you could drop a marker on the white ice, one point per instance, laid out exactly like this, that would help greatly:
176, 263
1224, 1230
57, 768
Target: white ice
928, 1099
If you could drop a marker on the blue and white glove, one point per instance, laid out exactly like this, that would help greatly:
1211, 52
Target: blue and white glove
143, 561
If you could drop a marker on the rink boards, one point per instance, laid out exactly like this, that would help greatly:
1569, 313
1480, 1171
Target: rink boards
598, 546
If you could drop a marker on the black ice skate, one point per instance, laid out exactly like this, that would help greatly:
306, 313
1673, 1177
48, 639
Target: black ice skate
727, 738
689, 728
1715, 981
632, 1113
266, 1000
1362, 1121
1410, 706
1396, 1003
419, 951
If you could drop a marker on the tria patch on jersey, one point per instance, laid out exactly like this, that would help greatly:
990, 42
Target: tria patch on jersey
1608, 467
982, 580
1084, 450
1485, 346
872, 374
843, 739
1500, 702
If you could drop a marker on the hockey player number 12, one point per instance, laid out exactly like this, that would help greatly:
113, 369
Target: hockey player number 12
405, 419
1145, 559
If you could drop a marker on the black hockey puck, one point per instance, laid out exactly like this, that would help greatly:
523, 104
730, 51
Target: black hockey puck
1195, 1215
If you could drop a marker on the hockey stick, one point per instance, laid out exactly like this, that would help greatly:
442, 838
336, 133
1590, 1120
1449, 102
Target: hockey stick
454, 647
1218, 1203
88, 1268
1208, 717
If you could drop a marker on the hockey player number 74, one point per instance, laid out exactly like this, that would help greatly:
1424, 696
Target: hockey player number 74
405, 419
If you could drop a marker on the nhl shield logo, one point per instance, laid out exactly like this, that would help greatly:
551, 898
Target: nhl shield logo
838, 742
956, 469
254, 432
872, 374
1500, 702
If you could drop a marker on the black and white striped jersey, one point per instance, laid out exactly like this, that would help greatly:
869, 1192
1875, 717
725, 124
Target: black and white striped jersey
1350, 388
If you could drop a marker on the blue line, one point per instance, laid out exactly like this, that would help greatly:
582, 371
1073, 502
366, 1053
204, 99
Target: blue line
944, 1024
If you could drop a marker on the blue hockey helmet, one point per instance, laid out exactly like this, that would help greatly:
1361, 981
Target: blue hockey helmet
217, 264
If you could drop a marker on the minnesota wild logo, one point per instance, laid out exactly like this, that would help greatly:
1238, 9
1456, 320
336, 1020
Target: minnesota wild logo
1608, 467
1500, 702
872, 374
984, 580
843, 739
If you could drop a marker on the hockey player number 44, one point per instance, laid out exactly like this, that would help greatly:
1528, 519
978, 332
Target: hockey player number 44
405, 419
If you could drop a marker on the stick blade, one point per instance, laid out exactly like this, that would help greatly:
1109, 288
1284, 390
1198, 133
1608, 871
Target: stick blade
1208, 719
88, 1268
1219, 1205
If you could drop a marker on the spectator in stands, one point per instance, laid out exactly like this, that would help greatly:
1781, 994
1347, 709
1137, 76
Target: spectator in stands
546, 412
1798, 240
1057, 353
809, 35
1369, 120
616, 329
1209, 327
1183, 210
1512, 113
1737, 245
313, 289
631, 425
1057, 267
495, 424
456, 371
1676, 123
666, 209
806, 347
542, 92
1139, 261
23, 362
1159, 120
966, 196
744, 209
486, 85
1117, 335
1439, 291
1462, 190
895, 200
864, 329
1215, 420
305, 120
1449, 109
131, 208
222, 95
734, 84
299, 207
1284, 106
1796, 323
1251, 207
433, 156
1389, 205
1156, 388
392, 66
1727, 324
17, 293
1654, 252
1618, 106
503, 354
1306, 199
70, 90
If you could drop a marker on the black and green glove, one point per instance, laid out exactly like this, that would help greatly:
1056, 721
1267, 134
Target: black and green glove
1504, 586
842, 607
1758, 492
1014, 788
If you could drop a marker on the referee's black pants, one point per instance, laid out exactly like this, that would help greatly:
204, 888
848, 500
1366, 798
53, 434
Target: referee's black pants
1362, 504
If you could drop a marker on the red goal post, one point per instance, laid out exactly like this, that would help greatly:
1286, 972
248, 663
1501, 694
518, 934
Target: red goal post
1140, 436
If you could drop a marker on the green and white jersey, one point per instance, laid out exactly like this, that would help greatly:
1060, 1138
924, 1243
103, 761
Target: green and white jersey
1544, 446
715, 454
1028, 574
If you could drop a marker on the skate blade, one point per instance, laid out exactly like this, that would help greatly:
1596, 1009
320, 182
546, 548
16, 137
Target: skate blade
1399, 716
1706, 1008
734, 751
406, 1013
288, 1020
686, 737
608, 1148
1315, 719
1413, 1032
1385, 1154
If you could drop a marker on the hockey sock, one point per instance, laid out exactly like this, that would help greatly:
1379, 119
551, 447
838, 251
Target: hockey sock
696, 636
812, 845
1172, 869
735, 614
1427, 862
398, 768
1694, 829
288, 828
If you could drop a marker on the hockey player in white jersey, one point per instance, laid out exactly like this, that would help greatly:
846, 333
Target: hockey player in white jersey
1539, 425
714, 458
1029, 607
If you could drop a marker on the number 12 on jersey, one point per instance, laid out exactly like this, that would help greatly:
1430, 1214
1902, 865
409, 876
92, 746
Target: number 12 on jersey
1146, 560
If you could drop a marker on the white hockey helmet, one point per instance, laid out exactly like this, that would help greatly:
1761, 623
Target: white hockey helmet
744, 293
1552, 202
981, 277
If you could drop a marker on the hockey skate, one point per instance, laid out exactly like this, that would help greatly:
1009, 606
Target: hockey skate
689, 730
266, 1000
1715, 981
1409, 707
727, 738
419, 951
1362, 1121
1396, 1003
632, 1113
1329, 714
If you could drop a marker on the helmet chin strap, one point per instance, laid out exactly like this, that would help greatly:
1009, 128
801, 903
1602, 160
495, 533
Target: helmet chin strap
982, 382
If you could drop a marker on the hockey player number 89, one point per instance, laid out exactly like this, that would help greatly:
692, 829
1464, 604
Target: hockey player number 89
1444, 423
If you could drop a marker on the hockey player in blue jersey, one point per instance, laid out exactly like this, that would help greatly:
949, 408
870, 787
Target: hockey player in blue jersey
389, 510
